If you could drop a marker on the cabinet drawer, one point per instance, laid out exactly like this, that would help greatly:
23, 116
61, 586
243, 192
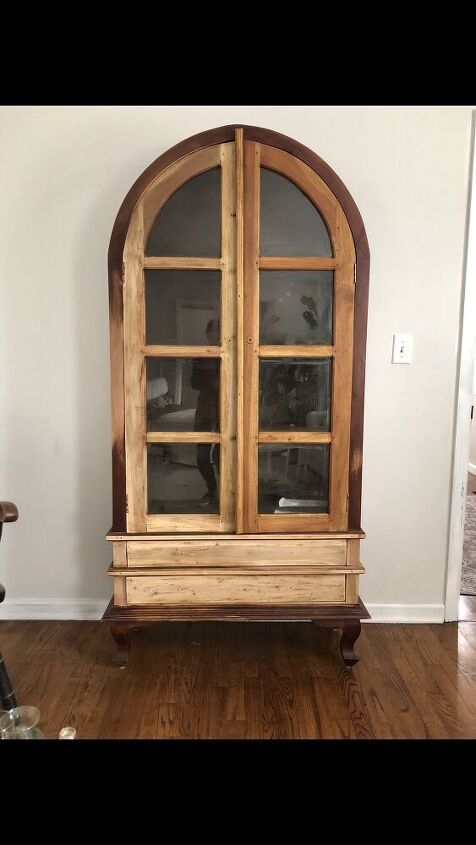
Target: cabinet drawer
236, 553
235, 589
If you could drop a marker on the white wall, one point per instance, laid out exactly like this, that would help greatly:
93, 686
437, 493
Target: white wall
64, 172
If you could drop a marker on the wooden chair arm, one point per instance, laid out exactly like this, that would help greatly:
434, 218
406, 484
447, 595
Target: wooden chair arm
8, 512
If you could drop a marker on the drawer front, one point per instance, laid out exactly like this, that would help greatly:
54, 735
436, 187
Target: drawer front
235, 589
236, 553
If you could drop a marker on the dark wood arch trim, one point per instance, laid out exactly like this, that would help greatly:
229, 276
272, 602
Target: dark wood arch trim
222, 135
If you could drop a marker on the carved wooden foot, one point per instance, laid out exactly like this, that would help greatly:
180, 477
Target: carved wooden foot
120, 633
350, 634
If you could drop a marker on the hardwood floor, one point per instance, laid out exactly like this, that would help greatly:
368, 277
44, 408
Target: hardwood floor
262, 680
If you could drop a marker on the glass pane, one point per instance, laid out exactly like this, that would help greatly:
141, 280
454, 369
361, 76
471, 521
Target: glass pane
293, 479
183, 477
290, 223
295, 393
182, 307
189, 222
183, 394
296, 306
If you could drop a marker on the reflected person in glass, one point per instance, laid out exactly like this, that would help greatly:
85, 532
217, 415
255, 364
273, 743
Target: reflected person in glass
205, 378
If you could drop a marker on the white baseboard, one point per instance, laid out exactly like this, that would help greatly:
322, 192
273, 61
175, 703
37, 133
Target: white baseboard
26, 608
472, 469
94, 609
406, 612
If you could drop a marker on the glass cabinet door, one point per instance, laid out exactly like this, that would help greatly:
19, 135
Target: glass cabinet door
182, 310
298, 284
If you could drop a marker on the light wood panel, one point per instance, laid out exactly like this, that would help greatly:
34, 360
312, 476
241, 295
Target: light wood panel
353, 552
134, 375
351, 589
296, 351
179, 172
227, 478
344, 289
233, 552
158, 351
294, 437
237, 538
288, 522
119, 555
252, 589
249, 466
292, 263
179, 263
239, 185
120, 596
232, 570
187, 523
183, 437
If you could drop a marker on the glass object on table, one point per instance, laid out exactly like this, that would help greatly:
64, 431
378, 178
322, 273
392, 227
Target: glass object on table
67, 733
21, 723
296, 307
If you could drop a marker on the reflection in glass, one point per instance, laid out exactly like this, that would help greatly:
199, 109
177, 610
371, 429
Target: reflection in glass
183, 477
293, 479
295, 393
179, 305
296, 306
189, 222
183, 394
290, 224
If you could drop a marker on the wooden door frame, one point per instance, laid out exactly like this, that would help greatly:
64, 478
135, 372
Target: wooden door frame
464, 394
117, 245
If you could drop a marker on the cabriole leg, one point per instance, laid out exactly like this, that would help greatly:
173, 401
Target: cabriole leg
120, 634
350, 634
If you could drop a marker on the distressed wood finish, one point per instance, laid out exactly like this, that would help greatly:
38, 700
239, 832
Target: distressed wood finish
200, 141
217, 578
301, 351
290, 263
220, 589
228, 340
155, 351
233, 552
183, 437
240, 305
154, 262
251, 167
294, 437
134, 376
327, 535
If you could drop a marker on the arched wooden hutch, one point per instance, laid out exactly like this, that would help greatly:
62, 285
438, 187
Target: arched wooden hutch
238, 278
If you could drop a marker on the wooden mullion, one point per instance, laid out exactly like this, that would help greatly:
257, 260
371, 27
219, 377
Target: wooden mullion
167, 351
158, 262
296, 351
251, 334
291, 263
183, 437
290, 437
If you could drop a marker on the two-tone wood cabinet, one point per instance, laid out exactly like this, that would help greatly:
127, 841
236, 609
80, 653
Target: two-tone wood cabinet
238, 278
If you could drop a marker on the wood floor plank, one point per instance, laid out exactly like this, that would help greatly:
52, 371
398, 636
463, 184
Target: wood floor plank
255, 681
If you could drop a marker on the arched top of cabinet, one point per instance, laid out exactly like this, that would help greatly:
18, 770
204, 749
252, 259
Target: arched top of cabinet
224, 134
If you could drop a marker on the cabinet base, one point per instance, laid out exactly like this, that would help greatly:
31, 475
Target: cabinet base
347, 617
